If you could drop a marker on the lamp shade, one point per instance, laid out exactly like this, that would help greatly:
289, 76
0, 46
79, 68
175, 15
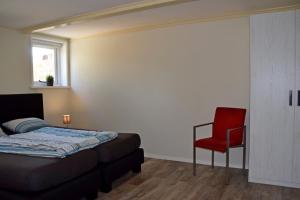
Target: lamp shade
67, 119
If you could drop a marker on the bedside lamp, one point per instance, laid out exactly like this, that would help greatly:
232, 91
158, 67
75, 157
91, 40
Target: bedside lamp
67, 120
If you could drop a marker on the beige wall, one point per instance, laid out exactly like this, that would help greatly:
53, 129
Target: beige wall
158, 83
15, 74
161, 82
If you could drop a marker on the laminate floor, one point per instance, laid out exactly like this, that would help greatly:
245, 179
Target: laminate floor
171, 180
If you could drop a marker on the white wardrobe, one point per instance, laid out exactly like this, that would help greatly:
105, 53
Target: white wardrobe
275, 99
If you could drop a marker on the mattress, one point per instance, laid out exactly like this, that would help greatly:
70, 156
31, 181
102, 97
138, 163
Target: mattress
121, 146
31, 174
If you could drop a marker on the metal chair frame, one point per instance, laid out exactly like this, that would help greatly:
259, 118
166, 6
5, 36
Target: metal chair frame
228, 132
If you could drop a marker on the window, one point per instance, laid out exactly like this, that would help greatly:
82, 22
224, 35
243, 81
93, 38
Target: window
49, 57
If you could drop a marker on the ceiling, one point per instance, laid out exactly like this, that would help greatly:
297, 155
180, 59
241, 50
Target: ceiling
19, 14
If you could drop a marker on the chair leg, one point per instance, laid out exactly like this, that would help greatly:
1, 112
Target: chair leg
212, 159
244, 160
194, 160
244, 150
244, 157
227, 166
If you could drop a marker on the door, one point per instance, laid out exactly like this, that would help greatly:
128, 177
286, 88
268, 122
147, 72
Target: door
296, 163
272, 110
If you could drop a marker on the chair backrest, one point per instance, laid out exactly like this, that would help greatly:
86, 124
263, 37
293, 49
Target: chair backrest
227, 118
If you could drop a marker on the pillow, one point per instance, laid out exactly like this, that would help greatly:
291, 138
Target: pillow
2, 133
25, 125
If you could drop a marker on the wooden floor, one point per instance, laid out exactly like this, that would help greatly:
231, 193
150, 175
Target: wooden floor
161, 179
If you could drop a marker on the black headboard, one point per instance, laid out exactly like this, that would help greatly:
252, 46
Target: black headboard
15, 106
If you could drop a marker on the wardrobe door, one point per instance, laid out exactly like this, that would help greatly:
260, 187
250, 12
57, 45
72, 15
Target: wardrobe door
296, 164
272, 105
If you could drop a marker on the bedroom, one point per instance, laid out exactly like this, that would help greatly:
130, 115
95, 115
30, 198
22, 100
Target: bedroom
156, 68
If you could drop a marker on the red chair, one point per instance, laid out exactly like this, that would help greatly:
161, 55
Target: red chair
228, 131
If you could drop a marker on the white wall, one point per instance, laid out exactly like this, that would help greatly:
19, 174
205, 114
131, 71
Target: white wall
15, 74
161, 82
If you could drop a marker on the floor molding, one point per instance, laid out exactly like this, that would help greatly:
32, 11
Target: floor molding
188, 160
272, 182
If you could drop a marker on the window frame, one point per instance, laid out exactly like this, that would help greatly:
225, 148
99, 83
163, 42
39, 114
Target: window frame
57, 44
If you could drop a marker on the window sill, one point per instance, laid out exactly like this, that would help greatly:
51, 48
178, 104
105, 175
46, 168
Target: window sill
49, 87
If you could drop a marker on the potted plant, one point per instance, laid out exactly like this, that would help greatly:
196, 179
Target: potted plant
49, 80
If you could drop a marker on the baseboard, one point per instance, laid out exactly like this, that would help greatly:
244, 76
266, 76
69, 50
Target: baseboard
272, 182
187, 160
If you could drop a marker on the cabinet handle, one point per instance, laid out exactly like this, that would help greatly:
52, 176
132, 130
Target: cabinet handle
298, 103
291, 97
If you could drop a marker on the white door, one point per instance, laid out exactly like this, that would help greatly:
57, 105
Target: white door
296, 164
271, 111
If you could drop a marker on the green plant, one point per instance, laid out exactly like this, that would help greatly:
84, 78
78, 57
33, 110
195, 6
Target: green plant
49, 80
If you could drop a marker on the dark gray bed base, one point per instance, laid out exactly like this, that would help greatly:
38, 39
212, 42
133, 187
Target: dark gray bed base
76, 189
113, 170
31, 105
87, 185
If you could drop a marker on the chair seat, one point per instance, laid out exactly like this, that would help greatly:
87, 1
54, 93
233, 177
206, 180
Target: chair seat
215, 144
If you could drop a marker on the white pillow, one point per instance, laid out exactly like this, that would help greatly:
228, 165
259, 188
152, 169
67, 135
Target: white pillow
25, 124
2, 133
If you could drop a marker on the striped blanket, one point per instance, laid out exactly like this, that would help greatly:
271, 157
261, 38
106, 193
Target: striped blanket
53, 142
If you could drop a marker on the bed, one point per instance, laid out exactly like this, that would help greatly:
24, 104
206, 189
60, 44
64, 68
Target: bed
76, 176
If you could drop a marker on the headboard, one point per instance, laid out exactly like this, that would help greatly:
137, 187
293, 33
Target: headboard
15, 106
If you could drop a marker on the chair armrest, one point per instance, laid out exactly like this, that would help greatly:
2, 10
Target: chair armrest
197, 126
229, 131
200, 125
